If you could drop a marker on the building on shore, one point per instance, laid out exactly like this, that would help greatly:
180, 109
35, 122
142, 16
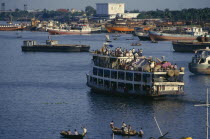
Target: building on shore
110, 10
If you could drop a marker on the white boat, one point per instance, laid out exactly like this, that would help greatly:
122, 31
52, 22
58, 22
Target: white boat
107, 38
129, 73
200, 62
79, 29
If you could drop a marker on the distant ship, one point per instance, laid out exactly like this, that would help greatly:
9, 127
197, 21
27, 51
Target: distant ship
121, 25
200, 63
79, 29
10, 27
53, 46
191, 34
142, 34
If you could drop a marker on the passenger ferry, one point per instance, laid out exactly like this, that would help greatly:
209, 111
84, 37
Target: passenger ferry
129, 73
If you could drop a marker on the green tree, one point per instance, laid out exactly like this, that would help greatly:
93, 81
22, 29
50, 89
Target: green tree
90, 11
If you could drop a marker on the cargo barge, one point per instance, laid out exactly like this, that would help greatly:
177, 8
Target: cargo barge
53, 46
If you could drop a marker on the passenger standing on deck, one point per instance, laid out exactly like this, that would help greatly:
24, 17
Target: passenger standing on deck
112, 124
175, 66
75, 132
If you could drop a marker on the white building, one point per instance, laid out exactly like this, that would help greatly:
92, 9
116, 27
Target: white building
110, 10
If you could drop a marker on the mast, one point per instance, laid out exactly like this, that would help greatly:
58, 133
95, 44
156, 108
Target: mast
207, 113
158, 126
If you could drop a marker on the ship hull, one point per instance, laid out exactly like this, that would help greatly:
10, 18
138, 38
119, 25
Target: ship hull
10, 28
199, 68
144, 38
67, 32
169, 37
122, 92
119, 29
41, 48
189, 46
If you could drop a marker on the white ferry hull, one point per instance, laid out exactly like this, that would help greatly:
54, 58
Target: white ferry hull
173, 90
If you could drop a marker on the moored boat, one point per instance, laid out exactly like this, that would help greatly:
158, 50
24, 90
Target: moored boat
200, 63
79, 29
193, 35
142, 34
53, 46
11, 27
129, 73
189, 46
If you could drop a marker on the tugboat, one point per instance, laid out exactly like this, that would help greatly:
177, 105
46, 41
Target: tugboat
200, 62
130, 73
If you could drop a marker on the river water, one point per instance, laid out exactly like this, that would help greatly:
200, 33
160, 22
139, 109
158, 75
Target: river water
42, 93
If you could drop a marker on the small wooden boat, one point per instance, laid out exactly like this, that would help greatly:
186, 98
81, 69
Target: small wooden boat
154, 41
119, 131
136, 44
130, 39
66, 135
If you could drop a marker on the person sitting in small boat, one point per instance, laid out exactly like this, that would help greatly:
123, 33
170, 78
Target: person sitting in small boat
129, 128
123, 124
69, 132
112, 124
75, 132
125, 129
141, 132
84, 130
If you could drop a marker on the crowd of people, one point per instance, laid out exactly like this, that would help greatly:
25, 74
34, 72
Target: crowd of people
119, 52
135, 61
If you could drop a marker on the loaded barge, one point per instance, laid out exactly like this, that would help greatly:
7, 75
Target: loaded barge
130, 73
53, 46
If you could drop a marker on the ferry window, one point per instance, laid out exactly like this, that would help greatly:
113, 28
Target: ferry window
113, 74
145, 77
95, 80
202, 61
121, 85
146, 87
100, 72
137, 87
106, 83
91, 79
106, 73
209, 62
129, 86
94, 71
137, 76
100, 81
113, 85
121, 75
129, 76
